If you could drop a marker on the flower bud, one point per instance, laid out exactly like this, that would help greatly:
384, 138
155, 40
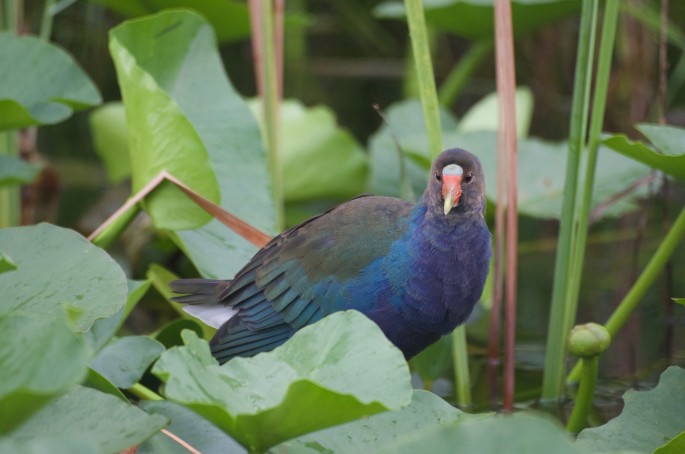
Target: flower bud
588, 340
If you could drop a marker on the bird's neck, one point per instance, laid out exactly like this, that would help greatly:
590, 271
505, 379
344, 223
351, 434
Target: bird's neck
450, 256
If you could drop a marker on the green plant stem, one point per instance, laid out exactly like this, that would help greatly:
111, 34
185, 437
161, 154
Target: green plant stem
460, 359
553, 380
459, 75
627, 306
431, 114
586, 389
144, 392
10, 200
46, 21
598, 108
10, 11
270, 106
424, 73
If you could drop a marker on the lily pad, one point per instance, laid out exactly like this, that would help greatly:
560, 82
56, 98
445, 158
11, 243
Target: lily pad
541, 175
541, 165
40, 83
670, 165
39, 358
105, 328
648, 419
189, 427
309, 383
668, 139
124, 361
57, 267
319, 159
85, 413
523, 432
98, 382
371, 434
484, 115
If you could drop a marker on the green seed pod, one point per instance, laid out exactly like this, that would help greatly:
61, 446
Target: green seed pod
588, 340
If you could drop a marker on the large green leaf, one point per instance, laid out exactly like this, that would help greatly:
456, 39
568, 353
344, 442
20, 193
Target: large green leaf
320, 159
124, 361
96, 381
161, 136
14, 170
170, 61
86, 414
541, 165
54, 445
110, 139
371, 434
474, 18
104, 329
522, 432
311, 382
648, 420
40, 83
57, 267
190, 427
484, 115
541, 175
39, 359
674, 446
669, 140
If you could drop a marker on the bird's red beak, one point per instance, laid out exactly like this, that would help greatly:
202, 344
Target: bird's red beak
451, 191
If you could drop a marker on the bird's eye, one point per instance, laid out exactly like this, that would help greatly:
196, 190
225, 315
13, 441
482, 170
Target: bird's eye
468, 177
438, 177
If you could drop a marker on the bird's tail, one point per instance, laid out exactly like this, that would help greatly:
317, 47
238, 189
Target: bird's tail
198, 291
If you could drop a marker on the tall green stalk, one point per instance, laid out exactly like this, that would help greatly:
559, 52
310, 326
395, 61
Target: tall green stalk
565, 300
10, 205
424, 74
10, 196
561, 313
460, 358
270, 103
431, 113
46, 21
10, 13
598, 108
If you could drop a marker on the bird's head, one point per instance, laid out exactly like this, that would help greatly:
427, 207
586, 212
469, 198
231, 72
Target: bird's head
456, 183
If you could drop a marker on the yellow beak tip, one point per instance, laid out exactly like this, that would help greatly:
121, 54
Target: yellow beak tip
449, 203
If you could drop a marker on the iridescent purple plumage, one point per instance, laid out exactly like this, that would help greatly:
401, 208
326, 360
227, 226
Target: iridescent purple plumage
414, 270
